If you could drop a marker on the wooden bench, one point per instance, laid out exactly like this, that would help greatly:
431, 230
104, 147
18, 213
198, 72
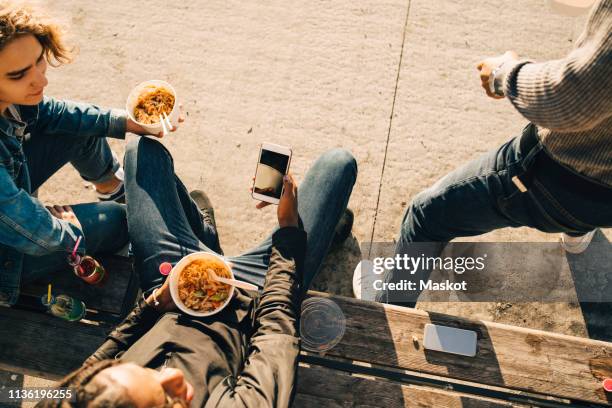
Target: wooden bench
379, 362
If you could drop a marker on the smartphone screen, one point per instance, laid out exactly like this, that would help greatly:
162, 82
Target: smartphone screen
271, 168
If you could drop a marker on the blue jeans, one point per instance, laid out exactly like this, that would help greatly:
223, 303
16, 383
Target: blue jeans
165, 223
104, 224
480, 197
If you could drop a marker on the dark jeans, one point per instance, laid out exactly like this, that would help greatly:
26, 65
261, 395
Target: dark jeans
104, 224
480, 197
165, 223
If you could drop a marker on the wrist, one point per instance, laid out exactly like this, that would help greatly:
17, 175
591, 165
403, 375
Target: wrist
160, 298
499, 75
283, 223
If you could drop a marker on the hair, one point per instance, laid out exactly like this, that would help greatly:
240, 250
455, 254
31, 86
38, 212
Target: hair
92, 392
19, 20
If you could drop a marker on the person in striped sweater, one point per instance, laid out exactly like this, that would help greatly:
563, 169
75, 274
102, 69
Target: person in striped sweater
555, 177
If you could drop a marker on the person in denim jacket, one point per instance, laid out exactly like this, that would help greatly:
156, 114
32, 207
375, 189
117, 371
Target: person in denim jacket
38, 136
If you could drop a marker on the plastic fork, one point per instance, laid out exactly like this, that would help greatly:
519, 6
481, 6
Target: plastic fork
233, 282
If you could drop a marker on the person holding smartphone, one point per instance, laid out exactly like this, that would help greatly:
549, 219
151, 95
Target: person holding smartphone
555, 177
245, 355
38, 136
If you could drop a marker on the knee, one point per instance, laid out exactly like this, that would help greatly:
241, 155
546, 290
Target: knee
341, 160
151, 150
420, 213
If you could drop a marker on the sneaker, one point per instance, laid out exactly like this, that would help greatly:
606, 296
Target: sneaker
360, 277
357, 281
576, 245
343, 228
118, 194
205, 206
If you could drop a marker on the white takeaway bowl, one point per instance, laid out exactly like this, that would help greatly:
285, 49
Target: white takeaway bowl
176, 272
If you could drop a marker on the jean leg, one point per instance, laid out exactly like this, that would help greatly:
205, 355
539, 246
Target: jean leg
159, 221
91, 156
105, 230
463, 203
322, 199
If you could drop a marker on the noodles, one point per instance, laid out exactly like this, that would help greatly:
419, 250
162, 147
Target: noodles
199, 292
152, 102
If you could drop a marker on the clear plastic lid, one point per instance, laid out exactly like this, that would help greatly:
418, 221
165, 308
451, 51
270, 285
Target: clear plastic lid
322, 324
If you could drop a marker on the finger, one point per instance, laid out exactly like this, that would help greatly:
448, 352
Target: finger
292, 179
487, 90
287, 186
160, 135
262, 204
291, 184
489, 93
68, 208
58, 208
479, 66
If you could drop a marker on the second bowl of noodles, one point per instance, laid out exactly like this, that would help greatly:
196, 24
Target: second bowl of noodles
193, 290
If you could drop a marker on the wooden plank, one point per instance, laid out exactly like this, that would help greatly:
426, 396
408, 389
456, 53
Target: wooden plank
43, 345
516, 358
116, 296
327, 388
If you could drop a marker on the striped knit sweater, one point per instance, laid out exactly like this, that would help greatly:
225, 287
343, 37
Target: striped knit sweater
570, 99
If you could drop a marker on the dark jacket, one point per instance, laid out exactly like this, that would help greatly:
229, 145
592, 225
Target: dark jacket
244, 356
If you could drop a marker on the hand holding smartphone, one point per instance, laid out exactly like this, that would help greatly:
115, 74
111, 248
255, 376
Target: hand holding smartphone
273, 184
272, 166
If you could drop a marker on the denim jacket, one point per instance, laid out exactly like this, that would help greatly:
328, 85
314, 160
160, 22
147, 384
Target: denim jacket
26, 226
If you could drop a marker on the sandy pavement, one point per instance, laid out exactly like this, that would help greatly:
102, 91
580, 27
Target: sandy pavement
317, 75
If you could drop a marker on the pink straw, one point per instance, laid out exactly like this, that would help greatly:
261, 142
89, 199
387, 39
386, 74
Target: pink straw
78, 241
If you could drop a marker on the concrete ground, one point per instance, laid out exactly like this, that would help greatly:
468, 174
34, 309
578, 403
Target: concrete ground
393, 81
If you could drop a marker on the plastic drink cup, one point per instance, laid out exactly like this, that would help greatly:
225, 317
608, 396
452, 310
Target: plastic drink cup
322, 324
132, 101
65, 307
88, 269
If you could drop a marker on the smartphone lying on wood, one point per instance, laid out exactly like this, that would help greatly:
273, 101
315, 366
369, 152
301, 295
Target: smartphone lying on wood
450, 340
272, 165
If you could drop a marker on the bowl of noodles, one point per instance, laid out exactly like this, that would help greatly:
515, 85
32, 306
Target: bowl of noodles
194, 292
150, 99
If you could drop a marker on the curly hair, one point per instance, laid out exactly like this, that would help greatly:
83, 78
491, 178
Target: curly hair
19, 20
91, 392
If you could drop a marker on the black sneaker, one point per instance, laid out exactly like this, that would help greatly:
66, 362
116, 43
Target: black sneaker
205, 206
343, 228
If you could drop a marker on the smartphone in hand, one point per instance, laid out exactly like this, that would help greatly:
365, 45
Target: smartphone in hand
272, 165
